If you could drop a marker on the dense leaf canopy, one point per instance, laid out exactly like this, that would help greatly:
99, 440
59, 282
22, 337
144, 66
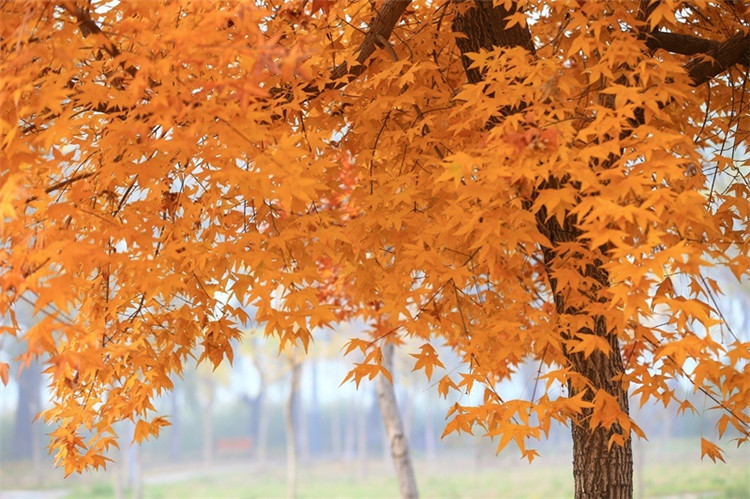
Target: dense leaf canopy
172, 170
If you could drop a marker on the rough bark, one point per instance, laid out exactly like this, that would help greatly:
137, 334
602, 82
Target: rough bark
394, 427
734, 51
679, 44
484, 27
598, 470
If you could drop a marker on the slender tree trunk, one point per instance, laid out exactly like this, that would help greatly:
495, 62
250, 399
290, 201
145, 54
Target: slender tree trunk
259, 413
208, 424
361, 433
385, 446
262, 450
407, 483
26, 440
255, 406
302, 422
176, 435
291, 431
313, 419
25, 433
599, 472
350, 440
131, 457
135, 479
117, 479
336, 431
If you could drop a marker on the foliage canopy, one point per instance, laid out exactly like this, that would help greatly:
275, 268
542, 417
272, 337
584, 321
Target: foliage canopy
554, 198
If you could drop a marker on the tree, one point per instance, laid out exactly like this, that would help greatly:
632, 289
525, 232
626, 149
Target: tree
398, 442
291, 425
516, 179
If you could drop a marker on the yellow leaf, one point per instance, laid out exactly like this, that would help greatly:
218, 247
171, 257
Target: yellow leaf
711, 450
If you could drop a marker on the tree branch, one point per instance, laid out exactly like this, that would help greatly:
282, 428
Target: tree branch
679, 44
62, 184
381, 27
486, 26
89, 26
734, 51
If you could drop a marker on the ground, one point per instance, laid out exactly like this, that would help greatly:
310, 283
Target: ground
663, 469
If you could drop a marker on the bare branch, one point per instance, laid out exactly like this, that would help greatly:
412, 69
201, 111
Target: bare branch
89, 26
734, 51
381, 27
679, 44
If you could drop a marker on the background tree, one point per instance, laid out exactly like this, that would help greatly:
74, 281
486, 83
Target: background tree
396, 436
291, 423
531, 180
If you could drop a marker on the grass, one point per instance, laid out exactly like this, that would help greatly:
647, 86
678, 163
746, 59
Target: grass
666, 469
440, 479
446, 480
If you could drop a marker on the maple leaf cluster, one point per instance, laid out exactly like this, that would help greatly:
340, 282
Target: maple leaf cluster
556, 197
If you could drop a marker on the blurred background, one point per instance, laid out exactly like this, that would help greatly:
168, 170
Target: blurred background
228, 436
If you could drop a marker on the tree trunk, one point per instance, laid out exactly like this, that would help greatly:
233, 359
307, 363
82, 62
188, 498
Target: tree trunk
394, 428
176, 434
131, 457
117, 479
350, 438
302, 423
258, 410
361, 439
313, 419
336, 431
25, 441
262, 447
291, 431
135, 480
208, 424
255, 406
598, 471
